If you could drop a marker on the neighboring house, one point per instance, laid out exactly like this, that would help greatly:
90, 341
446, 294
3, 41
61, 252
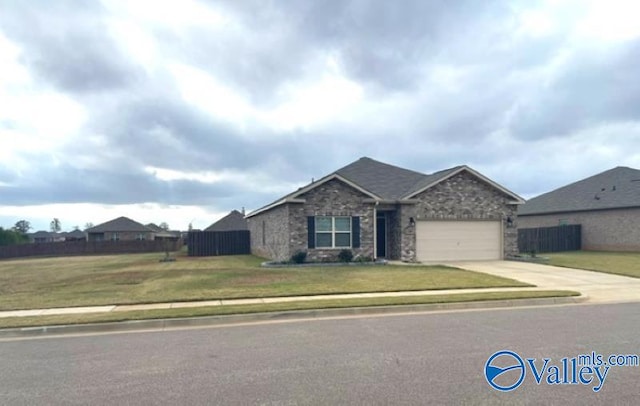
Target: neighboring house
75, 235
46, 236
607, 205
233, 221
162, 234
120, 229
383, 211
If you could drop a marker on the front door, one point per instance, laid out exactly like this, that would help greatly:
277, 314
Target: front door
381, 235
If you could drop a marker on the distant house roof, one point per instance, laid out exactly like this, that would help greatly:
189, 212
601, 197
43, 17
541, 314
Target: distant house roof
613, 189
231, 222
123, 224
43, 234
384, 182
74, 234
154, 227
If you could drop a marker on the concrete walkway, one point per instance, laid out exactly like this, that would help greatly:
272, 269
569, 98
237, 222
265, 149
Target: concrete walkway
599, 287
230, 302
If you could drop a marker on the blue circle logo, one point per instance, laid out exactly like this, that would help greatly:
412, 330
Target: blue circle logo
507, 368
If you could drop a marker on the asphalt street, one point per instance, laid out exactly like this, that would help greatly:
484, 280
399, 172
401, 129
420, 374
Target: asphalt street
412, 359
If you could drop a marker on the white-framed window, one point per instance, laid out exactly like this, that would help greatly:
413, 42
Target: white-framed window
140, 237
115, 236
333, 232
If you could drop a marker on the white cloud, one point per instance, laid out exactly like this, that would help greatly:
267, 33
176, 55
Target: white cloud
611, 20
33, 119
207, 93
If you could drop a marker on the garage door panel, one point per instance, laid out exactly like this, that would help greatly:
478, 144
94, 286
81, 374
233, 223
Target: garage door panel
458, 240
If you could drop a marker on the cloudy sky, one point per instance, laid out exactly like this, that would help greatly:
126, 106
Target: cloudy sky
180, 111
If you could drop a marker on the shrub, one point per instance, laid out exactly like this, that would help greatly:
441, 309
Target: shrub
299, 257
345, 256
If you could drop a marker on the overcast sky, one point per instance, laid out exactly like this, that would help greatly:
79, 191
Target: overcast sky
179, 111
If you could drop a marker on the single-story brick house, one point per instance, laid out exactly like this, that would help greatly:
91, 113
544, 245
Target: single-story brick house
120, 229
607, 205
233, 221
383, 211
46, 236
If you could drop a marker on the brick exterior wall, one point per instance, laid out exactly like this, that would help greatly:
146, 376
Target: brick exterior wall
461, 197
282, 231
603, 230
270, 233
333, 198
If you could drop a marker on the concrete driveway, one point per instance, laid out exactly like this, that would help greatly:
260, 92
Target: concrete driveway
599, 287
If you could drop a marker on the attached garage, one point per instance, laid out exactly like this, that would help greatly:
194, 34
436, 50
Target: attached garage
458, 240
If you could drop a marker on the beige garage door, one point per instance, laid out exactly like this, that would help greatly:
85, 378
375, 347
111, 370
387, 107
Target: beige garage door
458, 240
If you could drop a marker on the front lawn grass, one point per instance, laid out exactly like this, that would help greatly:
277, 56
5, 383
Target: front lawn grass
275, 307
619, 263
141, 278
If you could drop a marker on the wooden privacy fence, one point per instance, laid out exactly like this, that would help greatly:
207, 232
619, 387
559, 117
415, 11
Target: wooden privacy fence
67, 248
211, 243
550, 239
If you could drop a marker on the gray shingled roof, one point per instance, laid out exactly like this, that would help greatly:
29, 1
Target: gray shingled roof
616, 188
75, 234
154, 227
386, 181
123, 224
231, 222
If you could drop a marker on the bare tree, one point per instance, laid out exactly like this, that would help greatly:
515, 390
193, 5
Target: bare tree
164, 226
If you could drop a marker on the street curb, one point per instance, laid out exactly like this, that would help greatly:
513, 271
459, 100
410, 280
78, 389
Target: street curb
164, 324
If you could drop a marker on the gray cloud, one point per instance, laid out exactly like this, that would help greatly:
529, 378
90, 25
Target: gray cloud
595, 87
67, 44
502, 87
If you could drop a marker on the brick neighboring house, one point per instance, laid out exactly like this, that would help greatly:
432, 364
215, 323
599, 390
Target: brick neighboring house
233, 221
120, 229
383, 211
607, 205
75, 235
162, 234
46, 236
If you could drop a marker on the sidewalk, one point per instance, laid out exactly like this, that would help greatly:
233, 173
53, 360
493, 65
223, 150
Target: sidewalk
230, 302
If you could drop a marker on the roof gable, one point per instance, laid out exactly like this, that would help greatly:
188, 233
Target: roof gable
441, 176
120, 224
231, 222
612, 189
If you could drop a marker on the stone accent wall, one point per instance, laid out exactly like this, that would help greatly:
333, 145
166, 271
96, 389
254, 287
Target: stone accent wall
333, 198
461, 197
270, 233
603, 230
